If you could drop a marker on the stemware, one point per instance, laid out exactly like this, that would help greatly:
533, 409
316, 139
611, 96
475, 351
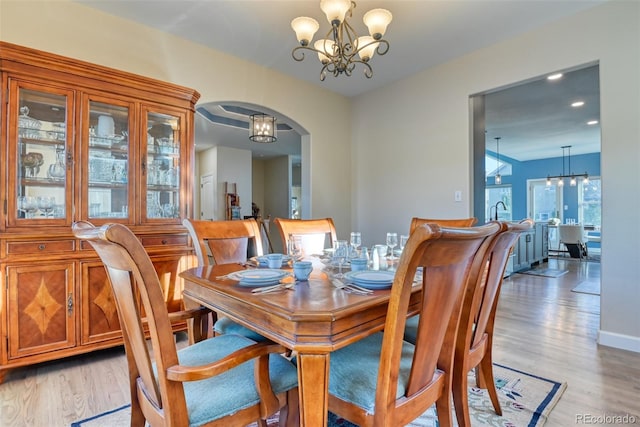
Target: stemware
27, 204
392, 242
45, 204
356, 241
294, 248
403, 241
340, 254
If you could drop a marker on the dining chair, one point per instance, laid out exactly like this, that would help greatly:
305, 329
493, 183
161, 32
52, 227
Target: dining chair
574, 239
312, 235
226, 242
474, 343
219, 381
265, 232
383, 380
450, 222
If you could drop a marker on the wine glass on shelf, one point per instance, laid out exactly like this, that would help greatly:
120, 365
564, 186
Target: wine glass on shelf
340, 254
356, 241
392, 242
45, 204
28, 205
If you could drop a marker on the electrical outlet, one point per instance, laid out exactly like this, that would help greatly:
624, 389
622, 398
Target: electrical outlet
457, 196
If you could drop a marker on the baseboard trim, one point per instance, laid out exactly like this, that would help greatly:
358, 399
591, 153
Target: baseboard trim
623, 342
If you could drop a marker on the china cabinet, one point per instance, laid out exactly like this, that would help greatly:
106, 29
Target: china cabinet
84, 142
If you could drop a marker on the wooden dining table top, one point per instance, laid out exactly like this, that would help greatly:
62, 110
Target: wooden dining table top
313, 318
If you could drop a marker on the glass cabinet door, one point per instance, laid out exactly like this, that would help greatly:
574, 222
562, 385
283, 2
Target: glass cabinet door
162, 166
40, 155
109, 161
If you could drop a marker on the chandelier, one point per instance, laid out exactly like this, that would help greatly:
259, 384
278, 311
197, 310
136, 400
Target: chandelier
262, 128
341, 48
572, 176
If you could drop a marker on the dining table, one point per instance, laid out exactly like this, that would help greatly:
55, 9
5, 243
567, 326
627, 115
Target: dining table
312, 318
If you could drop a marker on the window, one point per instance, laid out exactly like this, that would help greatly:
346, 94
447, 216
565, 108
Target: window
544, 200
493, 195
590, 203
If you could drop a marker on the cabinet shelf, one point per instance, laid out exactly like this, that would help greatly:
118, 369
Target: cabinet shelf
42, 182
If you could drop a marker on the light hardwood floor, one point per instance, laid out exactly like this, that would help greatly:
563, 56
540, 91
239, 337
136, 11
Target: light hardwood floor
541, 328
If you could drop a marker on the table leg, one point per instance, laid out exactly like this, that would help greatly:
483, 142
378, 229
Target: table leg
313, 383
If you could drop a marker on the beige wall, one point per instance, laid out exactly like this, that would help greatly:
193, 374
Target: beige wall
73, 30
411, 147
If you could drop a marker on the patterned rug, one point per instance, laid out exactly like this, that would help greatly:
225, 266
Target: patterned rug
526, 401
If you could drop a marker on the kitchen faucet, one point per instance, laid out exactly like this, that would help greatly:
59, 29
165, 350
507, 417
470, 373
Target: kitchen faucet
504, 207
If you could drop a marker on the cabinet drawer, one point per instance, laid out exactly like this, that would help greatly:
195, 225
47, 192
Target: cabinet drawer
165, 240
41, 246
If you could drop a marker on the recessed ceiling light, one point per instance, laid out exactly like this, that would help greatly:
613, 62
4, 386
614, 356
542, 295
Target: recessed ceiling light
577, 104
554, 76
592, 122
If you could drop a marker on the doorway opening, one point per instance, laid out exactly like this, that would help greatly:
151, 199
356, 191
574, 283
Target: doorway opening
533, 120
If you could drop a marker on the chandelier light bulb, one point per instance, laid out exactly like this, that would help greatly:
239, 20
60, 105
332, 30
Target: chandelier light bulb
377, 21
335, 10
305, 29
325, 48
366, 47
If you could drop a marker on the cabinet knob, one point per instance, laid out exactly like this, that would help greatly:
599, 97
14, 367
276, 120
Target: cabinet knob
42, 247
164, 241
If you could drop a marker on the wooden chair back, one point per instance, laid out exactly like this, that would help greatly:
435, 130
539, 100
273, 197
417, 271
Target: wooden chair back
475, 334
445, 255
265, 232
156, 376
224, 242
132, 274
311, 234
454, 222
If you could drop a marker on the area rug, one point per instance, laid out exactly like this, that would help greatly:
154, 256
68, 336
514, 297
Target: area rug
545, 272
526, 401
588, 287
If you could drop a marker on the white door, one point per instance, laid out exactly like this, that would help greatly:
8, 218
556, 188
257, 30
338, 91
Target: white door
207, 197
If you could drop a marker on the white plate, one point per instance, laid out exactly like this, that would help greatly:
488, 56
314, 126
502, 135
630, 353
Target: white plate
371, 279
259, 277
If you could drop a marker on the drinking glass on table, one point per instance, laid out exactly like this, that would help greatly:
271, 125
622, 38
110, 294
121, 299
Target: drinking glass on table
403, 241
356, 241
392, 242
340, 254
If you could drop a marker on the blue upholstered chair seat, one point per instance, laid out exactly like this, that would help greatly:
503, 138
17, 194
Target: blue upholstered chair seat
354, 371
227, 393
224, 325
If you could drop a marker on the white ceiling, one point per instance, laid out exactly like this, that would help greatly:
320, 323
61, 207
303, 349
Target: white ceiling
423, 33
